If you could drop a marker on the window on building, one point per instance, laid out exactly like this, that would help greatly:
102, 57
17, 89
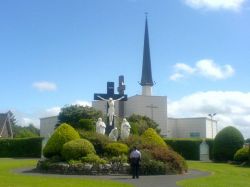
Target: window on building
195, 135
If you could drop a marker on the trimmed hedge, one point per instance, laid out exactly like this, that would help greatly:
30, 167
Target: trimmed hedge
226, 143
63, 134
241, 155
21, 147
150, 137
75, 149
188, 148
116, 149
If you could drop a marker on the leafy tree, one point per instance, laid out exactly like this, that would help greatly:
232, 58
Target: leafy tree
22, 131
247, 140
139, 124
226, 143
76, 116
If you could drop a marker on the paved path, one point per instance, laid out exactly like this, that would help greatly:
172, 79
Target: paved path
143, 181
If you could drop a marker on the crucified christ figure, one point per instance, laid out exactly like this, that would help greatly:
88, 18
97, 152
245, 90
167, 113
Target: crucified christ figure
111, 107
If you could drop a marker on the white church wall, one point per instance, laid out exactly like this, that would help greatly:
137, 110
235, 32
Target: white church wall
141, 104
211, 126
47, 126
189, 127
172, 128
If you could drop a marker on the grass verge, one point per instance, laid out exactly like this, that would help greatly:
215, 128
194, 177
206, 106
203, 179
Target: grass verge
223, 175
10, 179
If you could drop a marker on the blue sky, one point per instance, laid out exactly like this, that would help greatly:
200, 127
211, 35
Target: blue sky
59, 52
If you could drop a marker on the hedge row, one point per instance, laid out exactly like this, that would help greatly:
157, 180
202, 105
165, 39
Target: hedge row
21, 147
189, 148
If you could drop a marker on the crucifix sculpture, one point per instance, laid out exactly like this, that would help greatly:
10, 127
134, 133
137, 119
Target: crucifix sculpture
110, 97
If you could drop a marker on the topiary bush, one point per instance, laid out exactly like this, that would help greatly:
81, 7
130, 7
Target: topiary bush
151, 138
99, 141
62, 134
93, 159
149, 166
175, 163
226, 143
115, 149
75, 149
241, 155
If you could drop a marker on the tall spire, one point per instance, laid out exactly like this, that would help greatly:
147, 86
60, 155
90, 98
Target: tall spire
146, 77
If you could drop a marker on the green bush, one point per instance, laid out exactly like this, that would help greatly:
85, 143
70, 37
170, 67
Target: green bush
188, 148
226, 143
98, 140
93, 159
86, 124
133, 140
62, 134
21, 147
139, 124
116, 149
175, 164
149, 166
75, 149
151, 138
241, 155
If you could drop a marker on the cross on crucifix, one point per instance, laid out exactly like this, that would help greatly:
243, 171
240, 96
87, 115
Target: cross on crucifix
110, 97
152, 107
110, 93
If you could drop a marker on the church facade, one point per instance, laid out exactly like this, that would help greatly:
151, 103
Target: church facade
146, 104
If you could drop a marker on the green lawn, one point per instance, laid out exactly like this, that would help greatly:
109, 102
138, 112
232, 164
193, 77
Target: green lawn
10, 179
223, 175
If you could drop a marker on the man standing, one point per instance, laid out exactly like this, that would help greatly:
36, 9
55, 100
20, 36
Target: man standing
135, 158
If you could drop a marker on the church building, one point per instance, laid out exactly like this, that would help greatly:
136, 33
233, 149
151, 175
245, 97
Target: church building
155, 107
146, 104
5, 125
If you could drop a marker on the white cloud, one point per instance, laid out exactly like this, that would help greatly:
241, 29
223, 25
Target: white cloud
205, 67
176, 76
232, 108
184, 67
45, 86
82, 103
209, 69
233, 5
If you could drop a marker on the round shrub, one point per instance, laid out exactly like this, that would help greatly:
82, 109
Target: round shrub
226, 143
93, 159
241, 155
76, 149
99, 141
151, 138
133, 140
62, 134
116, 149
149, 166
175, 163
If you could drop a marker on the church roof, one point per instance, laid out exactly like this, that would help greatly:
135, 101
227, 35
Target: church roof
146, 77
5, 126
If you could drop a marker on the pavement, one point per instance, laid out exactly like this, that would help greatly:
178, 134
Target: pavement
143, 181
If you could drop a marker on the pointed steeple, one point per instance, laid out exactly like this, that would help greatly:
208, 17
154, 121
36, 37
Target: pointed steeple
146, 77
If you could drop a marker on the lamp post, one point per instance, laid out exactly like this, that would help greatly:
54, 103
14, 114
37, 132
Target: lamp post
211, 117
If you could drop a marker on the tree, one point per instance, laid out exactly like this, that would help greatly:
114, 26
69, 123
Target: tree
76, 115
226, 143
139, 124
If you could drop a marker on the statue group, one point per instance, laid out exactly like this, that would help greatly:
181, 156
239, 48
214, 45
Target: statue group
111, 129
114, 134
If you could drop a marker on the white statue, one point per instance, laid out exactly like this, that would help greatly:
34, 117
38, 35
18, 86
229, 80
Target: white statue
111, 108
113, 135
100, 126
125, 129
